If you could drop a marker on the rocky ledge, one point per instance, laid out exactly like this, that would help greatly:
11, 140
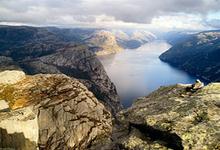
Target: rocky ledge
175, 117
49, 112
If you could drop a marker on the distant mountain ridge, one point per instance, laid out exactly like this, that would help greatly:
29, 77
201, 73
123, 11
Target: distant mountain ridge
175, 37
198, 54
133, 39
103, 42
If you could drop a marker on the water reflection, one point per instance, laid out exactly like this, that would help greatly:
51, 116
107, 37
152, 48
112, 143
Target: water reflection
138, 72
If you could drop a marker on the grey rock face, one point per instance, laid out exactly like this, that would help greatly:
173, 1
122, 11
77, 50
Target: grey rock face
3, 106
52, 112
19, 130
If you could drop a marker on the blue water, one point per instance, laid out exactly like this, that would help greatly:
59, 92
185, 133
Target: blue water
138, 72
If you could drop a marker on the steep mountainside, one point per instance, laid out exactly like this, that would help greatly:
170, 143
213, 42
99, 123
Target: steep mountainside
199, 55
103, 43
38, 50
49, 112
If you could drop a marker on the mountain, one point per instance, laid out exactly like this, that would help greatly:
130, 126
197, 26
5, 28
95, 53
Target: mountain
40, 50
143, 36
175, 37
72, 34
103, 43
51, 112
100, 41
198, 55
133, 39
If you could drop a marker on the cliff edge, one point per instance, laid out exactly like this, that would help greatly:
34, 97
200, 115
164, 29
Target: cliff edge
175, 117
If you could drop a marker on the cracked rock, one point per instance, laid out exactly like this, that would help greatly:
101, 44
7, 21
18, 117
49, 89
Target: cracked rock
48, 113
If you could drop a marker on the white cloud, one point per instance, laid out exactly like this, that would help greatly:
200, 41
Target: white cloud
180, 21
109, 13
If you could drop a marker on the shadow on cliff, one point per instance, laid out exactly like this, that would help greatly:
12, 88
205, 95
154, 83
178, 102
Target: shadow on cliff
15, 141
170, 140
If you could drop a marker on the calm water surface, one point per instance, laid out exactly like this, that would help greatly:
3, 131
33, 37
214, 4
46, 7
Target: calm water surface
138, 72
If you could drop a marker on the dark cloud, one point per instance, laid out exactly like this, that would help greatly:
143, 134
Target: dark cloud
84, 11
143, 11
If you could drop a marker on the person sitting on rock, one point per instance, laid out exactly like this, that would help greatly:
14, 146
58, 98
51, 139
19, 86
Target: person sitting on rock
197, 85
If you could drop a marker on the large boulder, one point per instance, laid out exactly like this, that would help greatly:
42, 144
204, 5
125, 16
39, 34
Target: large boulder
11, 77
51, 112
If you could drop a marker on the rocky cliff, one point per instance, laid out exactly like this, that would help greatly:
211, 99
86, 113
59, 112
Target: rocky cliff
176, 117
58, 112
46, 50
198, 54
49, 112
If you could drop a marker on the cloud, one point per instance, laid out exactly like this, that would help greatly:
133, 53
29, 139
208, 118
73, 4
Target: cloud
181, 21
100, 12
215, 23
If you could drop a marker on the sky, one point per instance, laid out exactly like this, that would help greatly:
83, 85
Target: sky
157, 14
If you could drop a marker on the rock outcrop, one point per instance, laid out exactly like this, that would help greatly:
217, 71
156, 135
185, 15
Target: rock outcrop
197, 54
51, 112
11, 77
172, 117
3, 106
